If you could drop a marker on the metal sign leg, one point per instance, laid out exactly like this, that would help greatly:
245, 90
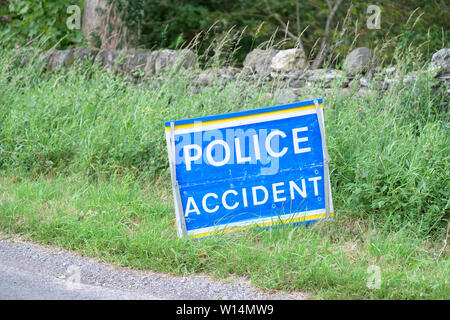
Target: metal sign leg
181, 223
326, 158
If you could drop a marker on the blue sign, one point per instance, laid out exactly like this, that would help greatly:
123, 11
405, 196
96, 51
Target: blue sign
265, 167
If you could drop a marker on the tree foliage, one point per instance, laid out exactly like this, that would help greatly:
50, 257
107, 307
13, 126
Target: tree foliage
422, 24
24, 21
404, 23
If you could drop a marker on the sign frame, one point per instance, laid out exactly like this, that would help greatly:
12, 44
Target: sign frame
170, 132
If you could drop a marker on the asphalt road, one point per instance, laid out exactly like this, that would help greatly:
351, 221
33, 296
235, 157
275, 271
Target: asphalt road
30, 271
17, 284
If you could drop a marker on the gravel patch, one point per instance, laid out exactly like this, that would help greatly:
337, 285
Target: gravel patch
44, 264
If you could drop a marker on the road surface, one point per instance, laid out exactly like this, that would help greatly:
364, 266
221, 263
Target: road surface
30, 271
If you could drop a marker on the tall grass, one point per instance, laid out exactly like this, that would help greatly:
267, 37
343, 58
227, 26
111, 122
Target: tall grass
83, 164
389, 150
390, 154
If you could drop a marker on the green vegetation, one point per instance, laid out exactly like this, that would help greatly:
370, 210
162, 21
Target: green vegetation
83, 165
131, 222
421, 24
25, 21
404, 23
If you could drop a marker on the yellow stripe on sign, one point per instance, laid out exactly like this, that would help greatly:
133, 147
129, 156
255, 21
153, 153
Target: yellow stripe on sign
191, 125
264, 224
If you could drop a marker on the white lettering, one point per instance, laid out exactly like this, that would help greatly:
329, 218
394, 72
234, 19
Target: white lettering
255, 198
191, 202
293, 185
256, 146
301, 139
187, 154
276, 192
208, 195
239, 157
314, 180
244, 197
224, 200
269, 148
209, 149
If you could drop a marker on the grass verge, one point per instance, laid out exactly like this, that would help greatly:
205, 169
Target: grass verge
132, 223
83, 165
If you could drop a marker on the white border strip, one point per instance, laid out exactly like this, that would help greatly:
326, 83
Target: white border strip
198, 126
245, 223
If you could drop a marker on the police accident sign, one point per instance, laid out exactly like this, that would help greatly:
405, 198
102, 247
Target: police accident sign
265, 167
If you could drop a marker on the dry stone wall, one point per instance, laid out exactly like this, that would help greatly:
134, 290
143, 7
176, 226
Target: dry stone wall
287, 67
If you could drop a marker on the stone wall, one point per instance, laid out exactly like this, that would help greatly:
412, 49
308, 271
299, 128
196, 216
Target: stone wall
288, 68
